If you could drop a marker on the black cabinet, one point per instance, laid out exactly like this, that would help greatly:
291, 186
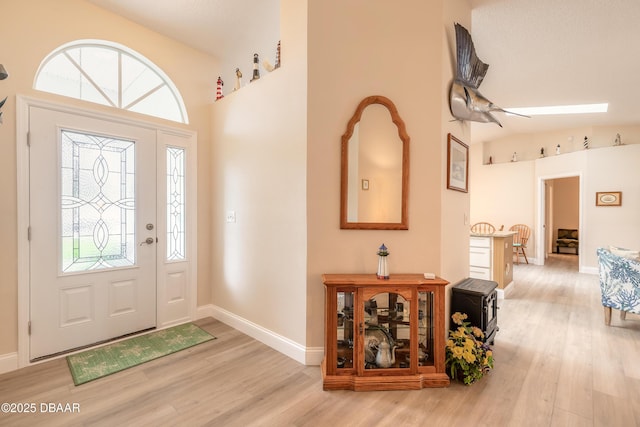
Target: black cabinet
477, 298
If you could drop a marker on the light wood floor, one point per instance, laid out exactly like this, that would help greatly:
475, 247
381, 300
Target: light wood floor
557, 364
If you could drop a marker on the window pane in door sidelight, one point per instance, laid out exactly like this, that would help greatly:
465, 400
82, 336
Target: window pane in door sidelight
175, 204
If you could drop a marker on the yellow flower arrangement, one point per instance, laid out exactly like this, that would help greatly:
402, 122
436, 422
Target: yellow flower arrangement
468, 357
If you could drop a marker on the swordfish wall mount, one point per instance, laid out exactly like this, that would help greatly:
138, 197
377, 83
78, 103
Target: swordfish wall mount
466, 102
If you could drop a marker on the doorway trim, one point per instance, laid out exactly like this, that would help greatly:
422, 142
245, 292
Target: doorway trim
541, 232
164, 135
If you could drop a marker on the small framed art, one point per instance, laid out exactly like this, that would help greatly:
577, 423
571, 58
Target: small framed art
457, 164
609, 198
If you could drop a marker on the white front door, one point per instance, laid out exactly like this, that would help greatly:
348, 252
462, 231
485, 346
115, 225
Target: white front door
93, 230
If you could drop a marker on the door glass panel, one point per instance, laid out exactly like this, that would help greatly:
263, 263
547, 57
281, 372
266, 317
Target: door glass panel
175, 204
425, 328
345, 330
387, 334
97, 202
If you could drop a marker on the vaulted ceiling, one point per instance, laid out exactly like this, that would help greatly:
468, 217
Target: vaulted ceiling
549, 52
543, 52
218, 27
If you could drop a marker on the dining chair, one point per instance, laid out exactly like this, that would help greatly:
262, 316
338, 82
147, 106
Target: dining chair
483, 228
520, 240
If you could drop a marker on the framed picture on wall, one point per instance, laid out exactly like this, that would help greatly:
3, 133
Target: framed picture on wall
609, 198
457, 164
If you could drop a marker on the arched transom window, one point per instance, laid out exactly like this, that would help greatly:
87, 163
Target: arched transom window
110, 74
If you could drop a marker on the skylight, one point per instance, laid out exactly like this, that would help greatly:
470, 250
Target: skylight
561, 109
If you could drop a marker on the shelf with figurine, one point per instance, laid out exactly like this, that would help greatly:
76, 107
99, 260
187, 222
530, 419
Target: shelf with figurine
254, 76
557, 150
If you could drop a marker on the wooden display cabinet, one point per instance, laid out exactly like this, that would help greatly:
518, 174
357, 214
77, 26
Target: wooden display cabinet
384, 334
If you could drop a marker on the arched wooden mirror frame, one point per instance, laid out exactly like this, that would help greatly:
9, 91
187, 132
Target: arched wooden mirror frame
404, 137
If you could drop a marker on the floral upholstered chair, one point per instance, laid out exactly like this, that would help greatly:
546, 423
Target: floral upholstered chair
619, 281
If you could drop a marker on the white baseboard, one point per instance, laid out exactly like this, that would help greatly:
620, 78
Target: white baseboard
533, 261
502, 293
203, 311
589, 270
8, 362
311, 356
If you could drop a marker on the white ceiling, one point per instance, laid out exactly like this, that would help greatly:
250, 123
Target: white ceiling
542, 52
550, 52
218, 27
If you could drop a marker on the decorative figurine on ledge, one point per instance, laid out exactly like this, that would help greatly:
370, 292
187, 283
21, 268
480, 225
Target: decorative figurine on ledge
383, 268
238, 79
3, 75
585, 143
618, 140
267, 65
256, 67
1, 104
542, 152
219, 94
558, 149
514, 158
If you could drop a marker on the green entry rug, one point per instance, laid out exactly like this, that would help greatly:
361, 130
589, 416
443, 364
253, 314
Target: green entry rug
100, 362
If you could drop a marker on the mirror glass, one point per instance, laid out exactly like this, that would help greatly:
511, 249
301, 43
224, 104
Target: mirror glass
375, 162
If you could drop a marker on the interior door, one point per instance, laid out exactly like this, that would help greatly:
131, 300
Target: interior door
92, 230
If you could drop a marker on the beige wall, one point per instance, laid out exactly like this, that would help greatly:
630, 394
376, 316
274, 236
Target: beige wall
357, 49
502, 194
611, 169
455, 212
258, 160
33, 28
507, 193
276, 162
527, 146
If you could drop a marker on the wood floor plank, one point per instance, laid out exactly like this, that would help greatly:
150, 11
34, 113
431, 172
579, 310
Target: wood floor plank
610, 410
563, 418
557, 364
575, 383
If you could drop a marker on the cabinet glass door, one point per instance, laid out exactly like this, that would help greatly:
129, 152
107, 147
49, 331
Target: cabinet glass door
345, 330
387, 337
425, 328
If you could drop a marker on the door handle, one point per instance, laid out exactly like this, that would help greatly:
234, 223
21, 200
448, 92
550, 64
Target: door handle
148, 241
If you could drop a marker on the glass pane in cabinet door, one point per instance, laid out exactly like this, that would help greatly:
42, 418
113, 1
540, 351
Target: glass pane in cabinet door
425, 328
387, 334
345, 330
